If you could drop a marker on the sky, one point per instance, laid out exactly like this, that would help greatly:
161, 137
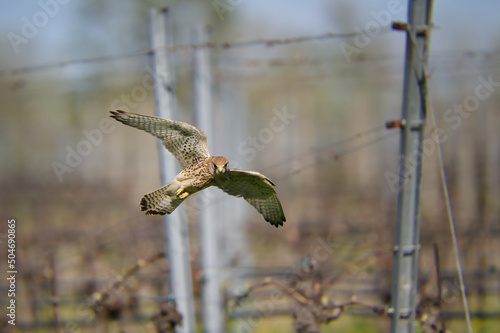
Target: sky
460, 25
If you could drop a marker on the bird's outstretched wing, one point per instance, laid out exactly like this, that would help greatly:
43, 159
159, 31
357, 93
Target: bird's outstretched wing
187, 143
257, 190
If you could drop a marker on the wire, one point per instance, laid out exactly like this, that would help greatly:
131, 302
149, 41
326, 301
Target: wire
325, 157
228, 45
331, 145
36, 68
284, 41
449, 213
265, 42
457, 54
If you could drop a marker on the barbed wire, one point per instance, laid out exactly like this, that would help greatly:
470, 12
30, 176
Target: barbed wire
297, 60
474, 276
361, 57
64, 63
186, 47
334, 156
491, 63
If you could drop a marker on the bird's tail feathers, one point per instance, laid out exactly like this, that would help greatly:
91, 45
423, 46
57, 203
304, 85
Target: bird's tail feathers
160, 202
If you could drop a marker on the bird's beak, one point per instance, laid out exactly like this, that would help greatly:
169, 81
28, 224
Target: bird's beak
221, 170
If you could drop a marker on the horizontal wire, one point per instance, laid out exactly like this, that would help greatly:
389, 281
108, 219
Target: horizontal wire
174, 48
335, 156
292, 40
459, 54
28, 69
475, 276
331, 145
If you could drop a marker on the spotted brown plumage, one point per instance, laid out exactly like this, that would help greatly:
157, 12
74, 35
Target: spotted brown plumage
200, 170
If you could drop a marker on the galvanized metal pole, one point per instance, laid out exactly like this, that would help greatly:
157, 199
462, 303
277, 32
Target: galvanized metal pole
177, 245
204, 115
407, 233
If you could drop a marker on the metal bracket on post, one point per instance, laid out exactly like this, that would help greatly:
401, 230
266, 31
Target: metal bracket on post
407, 250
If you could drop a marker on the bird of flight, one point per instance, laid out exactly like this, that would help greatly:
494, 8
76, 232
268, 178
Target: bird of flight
200, 170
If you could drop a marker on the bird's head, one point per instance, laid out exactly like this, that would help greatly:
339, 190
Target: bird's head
220, 165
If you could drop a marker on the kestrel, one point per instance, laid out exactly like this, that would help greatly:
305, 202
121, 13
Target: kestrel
200, 170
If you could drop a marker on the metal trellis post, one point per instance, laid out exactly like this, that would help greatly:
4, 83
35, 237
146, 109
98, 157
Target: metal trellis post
407, 233
175, 227
202, 84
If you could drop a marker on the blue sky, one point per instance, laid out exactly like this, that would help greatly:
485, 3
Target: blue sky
461, 25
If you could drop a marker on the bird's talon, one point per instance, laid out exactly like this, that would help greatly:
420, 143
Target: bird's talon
181, 194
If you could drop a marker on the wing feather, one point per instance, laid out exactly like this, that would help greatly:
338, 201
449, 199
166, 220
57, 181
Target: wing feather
257, 190
187, 143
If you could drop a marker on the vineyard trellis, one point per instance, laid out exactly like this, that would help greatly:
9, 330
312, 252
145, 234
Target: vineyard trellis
271, 42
